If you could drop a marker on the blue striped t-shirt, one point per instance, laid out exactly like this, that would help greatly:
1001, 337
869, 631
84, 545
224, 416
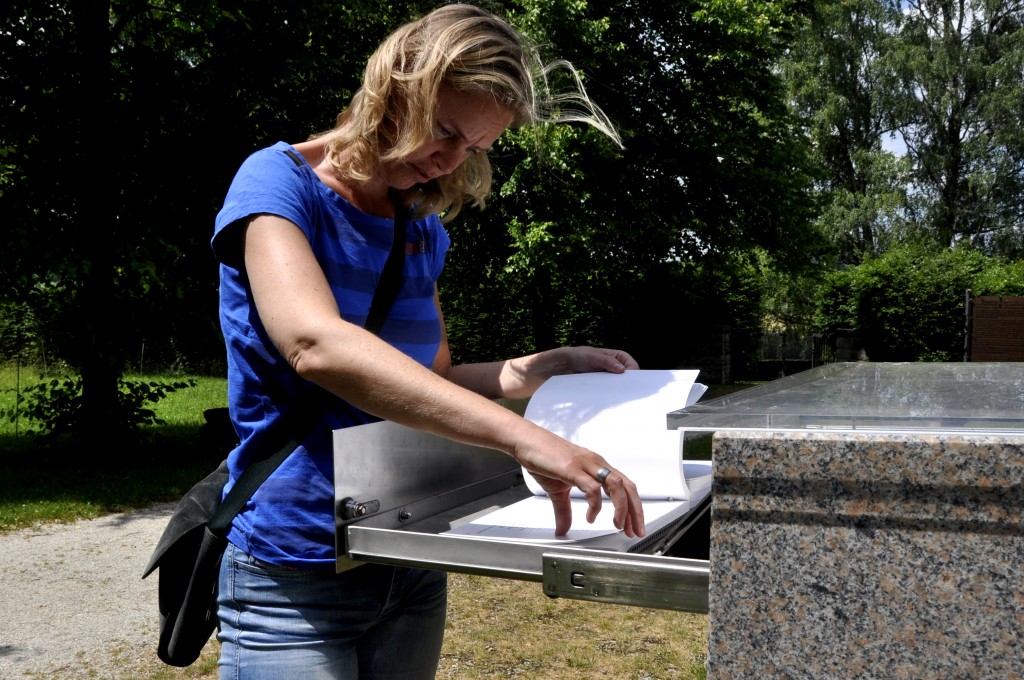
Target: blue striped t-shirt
290, 519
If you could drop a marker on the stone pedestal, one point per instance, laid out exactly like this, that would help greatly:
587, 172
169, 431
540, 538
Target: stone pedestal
845, 555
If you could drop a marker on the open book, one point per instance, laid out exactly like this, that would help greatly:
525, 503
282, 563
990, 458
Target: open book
623, 417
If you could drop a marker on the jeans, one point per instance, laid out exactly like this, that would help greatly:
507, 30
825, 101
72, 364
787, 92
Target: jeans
373, 622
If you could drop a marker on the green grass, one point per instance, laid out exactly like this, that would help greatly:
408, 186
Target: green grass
40, 484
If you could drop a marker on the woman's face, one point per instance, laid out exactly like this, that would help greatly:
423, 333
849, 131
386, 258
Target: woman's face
465, 123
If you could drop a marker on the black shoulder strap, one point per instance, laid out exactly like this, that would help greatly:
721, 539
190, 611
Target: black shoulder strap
391, 276
278, 443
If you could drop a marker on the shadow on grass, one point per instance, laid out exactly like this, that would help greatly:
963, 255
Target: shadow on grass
48, 483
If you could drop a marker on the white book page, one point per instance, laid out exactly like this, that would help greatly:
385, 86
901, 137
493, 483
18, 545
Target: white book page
533, 519
621, 416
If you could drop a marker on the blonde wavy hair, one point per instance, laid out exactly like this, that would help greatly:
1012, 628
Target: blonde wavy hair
470, 50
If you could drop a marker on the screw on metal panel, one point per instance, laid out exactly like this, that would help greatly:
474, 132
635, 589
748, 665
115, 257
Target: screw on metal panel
404, 515
351, 508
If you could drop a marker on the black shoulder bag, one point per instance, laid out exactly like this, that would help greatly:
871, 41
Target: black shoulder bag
190, 550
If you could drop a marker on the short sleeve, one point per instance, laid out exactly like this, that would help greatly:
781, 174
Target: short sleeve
272, 181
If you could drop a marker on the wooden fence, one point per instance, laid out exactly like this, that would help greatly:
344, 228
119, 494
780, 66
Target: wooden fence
995, 328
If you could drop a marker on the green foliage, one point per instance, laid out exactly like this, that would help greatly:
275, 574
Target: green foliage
192, 87
56, 406
908, 304
588, 243
956, 67
107, 242
832, 74
1001, 278
939, 81
17, 338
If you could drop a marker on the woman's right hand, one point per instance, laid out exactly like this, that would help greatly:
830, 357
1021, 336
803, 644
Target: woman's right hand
578, 467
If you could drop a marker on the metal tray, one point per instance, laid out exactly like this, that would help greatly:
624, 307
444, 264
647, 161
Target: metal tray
398, 491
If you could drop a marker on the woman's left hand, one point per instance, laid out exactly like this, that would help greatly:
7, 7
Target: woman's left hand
590, 359
519, 378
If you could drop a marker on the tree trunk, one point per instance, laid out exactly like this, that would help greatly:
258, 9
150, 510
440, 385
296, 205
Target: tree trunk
97, 216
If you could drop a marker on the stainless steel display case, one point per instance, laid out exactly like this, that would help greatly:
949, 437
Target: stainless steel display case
398, 491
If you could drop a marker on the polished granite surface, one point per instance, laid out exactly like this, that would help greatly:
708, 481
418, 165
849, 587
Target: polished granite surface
867, 556
869, 553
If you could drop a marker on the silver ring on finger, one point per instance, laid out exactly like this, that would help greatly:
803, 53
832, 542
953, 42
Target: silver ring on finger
602, 475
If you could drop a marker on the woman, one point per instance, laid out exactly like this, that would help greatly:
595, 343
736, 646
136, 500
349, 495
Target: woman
302, 239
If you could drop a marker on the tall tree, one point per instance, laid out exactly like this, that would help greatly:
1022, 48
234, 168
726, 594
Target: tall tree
944, 81
58, 125
836, 82
958, 69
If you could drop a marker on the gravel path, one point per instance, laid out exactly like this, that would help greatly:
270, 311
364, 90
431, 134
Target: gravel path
72, 600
